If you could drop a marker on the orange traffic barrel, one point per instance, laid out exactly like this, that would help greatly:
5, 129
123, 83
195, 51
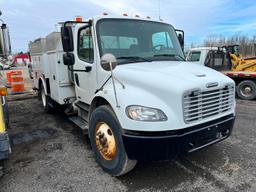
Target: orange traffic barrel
17, 82
8, 77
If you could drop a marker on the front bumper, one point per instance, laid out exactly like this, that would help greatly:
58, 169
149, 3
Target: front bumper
4, 146
168, 144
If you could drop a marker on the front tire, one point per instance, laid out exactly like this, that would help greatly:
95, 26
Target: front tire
107, 143
246, 90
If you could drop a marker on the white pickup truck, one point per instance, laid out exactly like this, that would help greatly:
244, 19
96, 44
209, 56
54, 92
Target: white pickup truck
125, 81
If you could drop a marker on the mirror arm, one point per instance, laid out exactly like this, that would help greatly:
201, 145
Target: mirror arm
123, 86
76, 70
88, 68
114, 85
101, 88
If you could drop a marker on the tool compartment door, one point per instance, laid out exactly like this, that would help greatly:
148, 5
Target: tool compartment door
60, 82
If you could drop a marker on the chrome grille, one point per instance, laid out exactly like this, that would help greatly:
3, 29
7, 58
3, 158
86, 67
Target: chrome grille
198, 105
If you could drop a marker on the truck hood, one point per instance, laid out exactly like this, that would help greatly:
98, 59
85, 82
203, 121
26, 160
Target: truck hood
169, 75
162, 85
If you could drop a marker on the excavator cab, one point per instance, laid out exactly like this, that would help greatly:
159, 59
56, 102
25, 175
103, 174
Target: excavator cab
232, 49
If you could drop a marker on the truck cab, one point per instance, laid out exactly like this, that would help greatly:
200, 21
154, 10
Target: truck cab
198, 55
213, 57
125, 82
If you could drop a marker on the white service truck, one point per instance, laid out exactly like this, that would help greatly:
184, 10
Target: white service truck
125, 81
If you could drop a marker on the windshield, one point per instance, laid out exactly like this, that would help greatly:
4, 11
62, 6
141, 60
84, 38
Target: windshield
194, 56
138, 41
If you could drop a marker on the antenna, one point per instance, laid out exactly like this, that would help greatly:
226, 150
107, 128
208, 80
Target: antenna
159, 10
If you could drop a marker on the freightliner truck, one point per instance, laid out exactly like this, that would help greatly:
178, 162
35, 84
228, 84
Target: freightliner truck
124, 80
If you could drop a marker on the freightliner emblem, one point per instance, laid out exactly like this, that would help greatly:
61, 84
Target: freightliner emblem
210, 85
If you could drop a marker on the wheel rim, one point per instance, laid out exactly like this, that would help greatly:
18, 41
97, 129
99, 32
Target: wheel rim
105, 141
43, 98
246, 91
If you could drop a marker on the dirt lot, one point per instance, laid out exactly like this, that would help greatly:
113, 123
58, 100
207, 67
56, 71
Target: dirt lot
51, 154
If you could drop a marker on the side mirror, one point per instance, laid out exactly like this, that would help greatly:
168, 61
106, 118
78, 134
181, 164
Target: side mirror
67, 39
180, 35
68, 59
108, 62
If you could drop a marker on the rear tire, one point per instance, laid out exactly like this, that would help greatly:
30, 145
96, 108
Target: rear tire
30, 74
107, 144
246, 90
46, 101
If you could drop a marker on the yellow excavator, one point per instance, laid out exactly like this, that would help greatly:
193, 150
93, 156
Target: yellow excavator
240, 63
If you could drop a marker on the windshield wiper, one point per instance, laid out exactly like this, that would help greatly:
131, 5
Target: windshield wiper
169, 55
135, 58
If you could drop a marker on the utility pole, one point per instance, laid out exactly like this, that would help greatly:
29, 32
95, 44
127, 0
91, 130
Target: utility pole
5, 41
0, 15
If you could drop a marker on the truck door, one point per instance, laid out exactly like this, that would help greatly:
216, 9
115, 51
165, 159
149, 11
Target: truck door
85, 80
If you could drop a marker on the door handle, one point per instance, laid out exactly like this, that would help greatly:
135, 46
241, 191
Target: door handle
76, 79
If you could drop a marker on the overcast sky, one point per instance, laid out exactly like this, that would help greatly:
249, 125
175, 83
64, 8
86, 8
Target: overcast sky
30, 19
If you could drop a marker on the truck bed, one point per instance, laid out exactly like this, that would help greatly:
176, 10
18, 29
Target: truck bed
240, 74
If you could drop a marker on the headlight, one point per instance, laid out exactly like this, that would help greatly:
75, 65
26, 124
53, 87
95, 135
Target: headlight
140, 113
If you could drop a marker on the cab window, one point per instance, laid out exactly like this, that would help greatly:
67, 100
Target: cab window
161, 40
85, 45
117, 44
194, 56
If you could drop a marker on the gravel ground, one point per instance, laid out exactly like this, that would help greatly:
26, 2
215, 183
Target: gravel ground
51, 154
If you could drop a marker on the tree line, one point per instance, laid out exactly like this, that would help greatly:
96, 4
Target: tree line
247, 45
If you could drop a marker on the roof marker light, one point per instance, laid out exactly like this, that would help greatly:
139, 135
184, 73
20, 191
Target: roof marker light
125, 14
3, 91
104, 13
148, 17
137, 16
78, 18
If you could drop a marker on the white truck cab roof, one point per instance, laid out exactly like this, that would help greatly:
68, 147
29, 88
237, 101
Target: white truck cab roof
98, 17
198, 55
203, 48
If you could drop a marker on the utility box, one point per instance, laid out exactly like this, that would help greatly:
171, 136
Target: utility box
61, 85
37, 51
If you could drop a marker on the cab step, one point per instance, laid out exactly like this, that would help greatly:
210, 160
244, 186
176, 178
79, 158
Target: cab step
78, 121
82, 105
69, 111
83, 110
